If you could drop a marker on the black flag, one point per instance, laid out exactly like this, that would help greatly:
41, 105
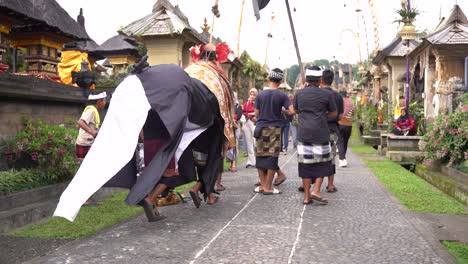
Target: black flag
259, 5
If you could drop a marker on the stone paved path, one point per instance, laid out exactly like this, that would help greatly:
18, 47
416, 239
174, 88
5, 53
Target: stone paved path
361, 224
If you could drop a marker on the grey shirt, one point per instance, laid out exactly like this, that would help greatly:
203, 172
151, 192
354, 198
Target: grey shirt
313, 103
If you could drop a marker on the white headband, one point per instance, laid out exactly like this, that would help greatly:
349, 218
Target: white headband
315, 73
97, 96
276, 75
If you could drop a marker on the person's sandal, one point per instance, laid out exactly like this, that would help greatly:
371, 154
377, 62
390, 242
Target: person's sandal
320, 200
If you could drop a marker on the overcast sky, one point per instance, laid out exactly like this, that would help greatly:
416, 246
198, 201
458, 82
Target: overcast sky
320, 25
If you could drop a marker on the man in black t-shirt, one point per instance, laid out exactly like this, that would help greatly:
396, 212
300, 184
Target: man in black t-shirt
325, 82
268, 106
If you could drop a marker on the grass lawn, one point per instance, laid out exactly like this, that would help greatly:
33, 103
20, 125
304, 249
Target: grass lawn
458, 250
360, 148
89, 220
412, 191
356, 144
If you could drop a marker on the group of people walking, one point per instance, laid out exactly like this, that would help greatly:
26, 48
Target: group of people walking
185, 143
322, 118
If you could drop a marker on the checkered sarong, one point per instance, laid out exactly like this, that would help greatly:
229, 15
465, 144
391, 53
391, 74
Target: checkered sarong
269, 143
312, 153
333, 145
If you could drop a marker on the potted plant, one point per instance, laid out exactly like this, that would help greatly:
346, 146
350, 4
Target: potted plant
408, 15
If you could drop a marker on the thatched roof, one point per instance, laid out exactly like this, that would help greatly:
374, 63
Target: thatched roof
117, 43
453, 30
396, 48
164, 20
41, 13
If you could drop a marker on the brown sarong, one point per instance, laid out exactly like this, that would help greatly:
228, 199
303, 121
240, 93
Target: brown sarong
269, 143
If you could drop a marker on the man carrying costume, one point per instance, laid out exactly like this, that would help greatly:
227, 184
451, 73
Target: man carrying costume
187, 110
206, 68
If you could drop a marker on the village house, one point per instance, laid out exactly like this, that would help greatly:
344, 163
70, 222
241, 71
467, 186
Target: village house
441, 64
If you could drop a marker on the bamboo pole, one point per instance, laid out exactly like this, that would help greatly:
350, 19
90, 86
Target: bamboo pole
239, 28
295, 41
212, 23
212, 29
268, 40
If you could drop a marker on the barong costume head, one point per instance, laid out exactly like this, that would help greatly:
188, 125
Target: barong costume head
313, 75
208, 71
187, 109
276, 75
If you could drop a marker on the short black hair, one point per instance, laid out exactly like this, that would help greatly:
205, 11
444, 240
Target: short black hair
276, 80
313, 79
328, 76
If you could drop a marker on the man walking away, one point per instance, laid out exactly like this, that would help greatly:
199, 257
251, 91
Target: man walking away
325, 83
314, 106
268, 110
345, 127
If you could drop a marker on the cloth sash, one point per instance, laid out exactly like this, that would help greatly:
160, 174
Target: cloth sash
313, 153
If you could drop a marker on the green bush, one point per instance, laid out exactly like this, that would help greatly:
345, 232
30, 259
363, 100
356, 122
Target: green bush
447, 139
19, 180
47, 149
367, 116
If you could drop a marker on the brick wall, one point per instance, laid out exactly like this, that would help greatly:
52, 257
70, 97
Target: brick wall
23, 96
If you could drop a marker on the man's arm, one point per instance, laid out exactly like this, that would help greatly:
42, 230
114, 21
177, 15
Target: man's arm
257, 113
83, 125
290, 111
331, 115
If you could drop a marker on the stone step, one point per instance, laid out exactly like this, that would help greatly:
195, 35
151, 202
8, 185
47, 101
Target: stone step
371, 140
36, 195
377, 132
404, 157
21, 216
403, 143
446, 182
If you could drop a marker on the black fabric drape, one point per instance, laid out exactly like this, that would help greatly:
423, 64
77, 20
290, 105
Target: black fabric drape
259, 5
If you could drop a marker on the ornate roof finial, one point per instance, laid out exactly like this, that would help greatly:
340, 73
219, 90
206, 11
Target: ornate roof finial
80, 19
205, 27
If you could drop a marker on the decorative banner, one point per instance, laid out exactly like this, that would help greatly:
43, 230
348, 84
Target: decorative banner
259, 5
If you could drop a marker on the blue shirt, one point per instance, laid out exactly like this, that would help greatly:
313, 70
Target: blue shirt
270, 103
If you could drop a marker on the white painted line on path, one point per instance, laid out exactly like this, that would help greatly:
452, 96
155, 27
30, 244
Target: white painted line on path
299, 229
199, 253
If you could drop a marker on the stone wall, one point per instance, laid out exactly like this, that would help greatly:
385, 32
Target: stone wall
24, 96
